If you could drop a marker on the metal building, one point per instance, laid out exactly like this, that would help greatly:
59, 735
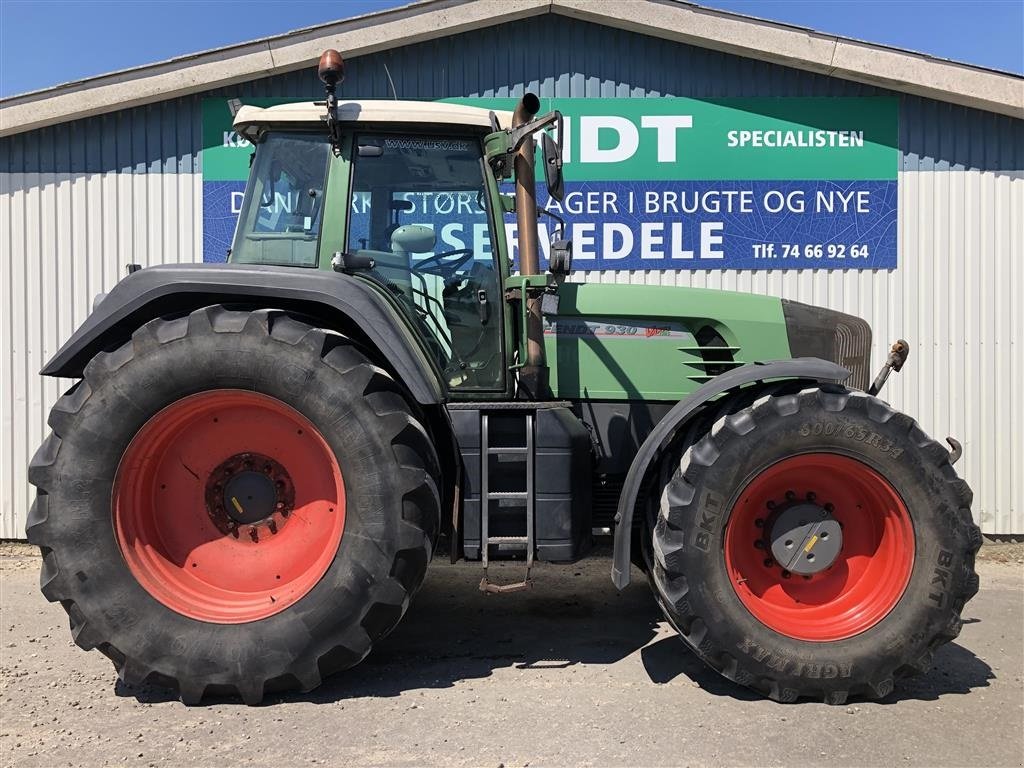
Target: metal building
108, 171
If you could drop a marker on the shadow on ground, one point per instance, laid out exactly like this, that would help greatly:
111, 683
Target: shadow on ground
573, 616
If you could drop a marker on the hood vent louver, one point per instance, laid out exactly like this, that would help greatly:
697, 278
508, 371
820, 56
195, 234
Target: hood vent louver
712, 355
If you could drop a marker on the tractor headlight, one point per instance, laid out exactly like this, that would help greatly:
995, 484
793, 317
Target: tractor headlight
830, 335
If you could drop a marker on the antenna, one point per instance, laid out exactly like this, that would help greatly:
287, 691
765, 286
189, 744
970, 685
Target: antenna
388, 73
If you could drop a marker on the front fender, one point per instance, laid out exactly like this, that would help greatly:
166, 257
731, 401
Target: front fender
806, 368
337, 300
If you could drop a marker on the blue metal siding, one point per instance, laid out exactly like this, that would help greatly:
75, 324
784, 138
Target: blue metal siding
552, 55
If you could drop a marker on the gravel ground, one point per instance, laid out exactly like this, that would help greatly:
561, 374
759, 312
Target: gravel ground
571, 673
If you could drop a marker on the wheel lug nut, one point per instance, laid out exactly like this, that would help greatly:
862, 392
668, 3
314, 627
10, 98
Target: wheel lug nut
829, 508
770, 505
807, 577
759, 523
768, 562
254, 534
786, 574
811, 496
759, 543
790, 495
272, 526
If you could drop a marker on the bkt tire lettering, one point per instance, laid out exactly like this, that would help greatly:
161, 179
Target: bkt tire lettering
710, 513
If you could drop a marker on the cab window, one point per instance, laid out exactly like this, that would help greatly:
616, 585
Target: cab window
283, 207
418, 209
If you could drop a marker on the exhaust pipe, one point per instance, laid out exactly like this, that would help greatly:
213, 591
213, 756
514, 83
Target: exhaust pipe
533, 376
526, 188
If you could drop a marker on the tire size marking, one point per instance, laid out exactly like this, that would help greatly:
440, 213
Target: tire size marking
775, 661
851, 432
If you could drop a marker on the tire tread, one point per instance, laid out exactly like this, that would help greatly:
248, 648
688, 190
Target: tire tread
742, 415
408, 438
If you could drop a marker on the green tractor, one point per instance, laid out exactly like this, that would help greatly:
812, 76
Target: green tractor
244, 489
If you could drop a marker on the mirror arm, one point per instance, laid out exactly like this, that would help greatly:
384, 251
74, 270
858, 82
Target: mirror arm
520, 134
556, 217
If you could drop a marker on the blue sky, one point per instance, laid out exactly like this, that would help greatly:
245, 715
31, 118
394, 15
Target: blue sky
102, 36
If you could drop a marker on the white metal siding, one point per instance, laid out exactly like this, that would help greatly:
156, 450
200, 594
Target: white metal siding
954, 297
63, 239
124, 188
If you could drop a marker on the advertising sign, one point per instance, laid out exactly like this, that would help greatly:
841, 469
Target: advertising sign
677, 183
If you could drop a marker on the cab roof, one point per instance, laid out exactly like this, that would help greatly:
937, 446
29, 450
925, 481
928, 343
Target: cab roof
251, 122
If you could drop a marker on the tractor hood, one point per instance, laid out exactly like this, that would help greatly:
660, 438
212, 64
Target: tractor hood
637, 342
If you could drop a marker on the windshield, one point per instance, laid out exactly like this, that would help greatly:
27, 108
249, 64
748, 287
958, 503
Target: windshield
419, 212
280, 217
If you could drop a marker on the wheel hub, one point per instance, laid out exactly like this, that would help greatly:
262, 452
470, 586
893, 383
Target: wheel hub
251, 491
249, 497
859, 570
805, 538
180, 533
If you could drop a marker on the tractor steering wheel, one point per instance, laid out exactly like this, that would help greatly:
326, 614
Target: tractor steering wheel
446, 271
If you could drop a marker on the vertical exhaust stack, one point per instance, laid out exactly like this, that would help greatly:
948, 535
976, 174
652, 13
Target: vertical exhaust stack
533, 376
526, 188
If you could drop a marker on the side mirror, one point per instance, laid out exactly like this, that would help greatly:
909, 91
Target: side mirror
552, 167
560, 258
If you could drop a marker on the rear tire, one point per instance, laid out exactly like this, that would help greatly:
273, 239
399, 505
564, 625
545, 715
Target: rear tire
99, 515
891, 597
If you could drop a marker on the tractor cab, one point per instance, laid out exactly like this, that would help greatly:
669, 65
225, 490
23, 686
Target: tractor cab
399, 194
403, 200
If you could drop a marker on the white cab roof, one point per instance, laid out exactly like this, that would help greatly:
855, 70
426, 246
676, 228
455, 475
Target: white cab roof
252, 121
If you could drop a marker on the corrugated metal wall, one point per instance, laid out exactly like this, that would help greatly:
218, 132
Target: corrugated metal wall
80, 201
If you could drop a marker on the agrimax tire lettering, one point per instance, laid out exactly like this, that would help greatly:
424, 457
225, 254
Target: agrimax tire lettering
780, 663
851, 432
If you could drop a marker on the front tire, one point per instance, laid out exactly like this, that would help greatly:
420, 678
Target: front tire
234, 502
754, 489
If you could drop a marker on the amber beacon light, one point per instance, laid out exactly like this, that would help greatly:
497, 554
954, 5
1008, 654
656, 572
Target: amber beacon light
331, 69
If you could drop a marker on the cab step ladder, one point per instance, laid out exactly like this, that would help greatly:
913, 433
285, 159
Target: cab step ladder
487, 495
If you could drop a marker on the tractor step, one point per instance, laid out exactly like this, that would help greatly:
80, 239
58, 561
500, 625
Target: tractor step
526, 495
531, 478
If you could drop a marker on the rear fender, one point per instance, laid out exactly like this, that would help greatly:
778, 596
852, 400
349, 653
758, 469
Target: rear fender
801, 368
340, 302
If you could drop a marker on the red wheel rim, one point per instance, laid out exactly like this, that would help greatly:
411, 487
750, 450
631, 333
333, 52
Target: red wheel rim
182, 551
868, 576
